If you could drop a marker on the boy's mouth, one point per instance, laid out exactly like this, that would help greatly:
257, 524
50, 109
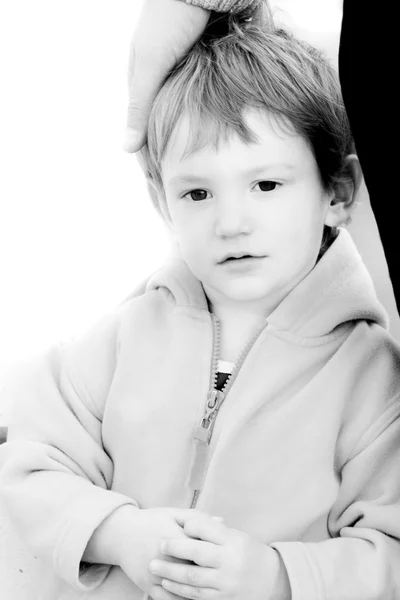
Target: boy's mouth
239, 257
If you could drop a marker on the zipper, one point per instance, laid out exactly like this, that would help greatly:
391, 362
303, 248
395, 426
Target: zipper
203, 432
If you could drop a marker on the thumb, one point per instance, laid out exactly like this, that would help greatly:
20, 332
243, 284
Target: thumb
143, 88
165, 32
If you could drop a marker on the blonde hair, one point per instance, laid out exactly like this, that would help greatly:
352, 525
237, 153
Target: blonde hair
244, 61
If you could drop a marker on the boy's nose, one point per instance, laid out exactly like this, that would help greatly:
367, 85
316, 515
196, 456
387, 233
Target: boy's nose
232, 218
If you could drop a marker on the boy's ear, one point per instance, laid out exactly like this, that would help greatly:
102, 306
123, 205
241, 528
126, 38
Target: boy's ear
345, 191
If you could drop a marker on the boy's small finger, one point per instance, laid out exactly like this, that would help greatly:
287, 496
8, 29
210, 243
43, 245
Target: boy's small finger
206, 528
198, 551
180, 520
220, 519
183, 514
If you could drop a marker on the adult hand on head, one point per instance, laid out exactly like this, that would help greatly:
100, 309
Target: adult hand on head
165, 32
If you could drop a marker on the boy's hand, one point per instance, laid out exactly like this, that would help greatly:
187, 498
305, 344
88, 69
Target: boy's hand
165, 32
229, 564
142, 541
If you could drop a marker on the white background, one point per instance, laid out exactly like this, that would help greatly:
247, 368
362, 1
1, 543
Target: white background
77, 231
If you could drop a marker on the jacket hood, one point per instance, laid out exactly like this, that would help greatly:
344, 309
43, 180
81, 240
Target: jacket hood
339, 289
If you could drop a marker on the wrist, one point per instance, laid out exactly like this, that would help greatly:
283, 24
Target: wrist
106, 546
281, 589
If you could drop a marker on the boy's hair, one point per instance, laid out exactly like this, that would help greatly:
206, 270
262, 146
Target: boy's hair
239, 63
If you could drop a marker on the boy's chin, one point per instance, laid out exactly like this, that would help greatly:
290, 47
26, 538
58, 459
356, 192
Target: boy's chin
246, 292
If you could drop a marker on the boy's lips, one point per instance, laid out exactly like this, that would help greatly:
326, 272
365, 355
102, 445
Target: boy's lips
242, 265
238, 257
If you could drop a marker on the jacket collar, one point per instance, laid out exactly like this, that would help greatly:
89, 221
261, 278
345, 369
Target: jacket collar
337, 290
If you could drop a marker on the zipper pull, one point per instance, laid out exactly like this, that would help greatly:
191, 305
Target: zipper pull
202, 437
201, 448
215, 399
199, 463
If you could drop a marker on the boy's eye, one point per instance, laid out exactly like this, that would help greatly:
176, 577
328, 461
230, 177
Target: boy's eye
267, 186
197, 195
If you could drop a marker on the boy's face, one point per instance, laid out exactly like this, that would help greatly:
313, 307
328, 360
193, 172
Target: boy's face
263, 200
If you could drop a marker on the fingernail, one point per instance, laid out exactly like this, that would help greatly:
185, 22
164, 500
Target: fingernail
132, 142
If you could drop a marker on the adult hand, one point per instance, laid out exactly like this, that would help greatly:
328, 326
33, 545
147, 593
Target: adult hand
165, 32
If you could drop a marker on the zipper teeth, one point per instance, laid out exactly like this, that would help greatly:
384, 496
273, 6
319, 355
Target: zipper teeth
242, 357
229, 382
216, 351
195, 497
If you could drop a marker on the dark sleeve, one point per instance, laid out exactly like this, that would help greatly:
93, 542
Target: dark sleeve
368, 65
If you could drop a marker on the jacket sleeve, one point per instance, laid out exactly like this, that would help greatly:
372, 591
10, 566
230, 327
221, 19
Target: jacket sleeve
362, 560
55, 475
224, 6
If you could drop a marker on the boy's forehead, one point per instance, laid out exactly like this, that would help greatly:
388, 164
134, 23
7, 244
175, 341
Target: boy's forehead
272, 138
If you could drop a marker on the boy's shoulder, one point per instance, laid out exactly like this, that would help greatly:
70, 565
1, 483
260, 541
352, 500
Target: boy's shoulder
373, 402
377, 344
92, 357
171, 286
375, 356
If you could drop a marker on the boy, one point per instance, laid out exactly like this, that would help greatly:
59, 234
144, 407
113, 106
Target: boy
251, 379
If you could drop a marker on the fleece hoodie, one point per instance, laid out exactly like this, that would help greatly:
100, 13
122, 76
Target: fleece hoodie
305, 451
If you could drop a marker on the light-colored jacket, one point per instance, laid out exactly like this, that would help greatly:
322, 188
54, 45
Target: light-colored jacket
305, 446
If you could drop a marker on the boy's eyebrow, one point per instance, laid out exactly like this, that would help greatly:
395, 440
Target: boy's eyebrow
195, 179
189, 179
266, 167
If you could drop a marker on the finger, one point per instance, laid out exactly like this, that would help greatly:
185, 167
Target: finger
165, 32
192, 575
134, 139
143, 88
159, 593
204, 527
185, 514
202, 553
187, 591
